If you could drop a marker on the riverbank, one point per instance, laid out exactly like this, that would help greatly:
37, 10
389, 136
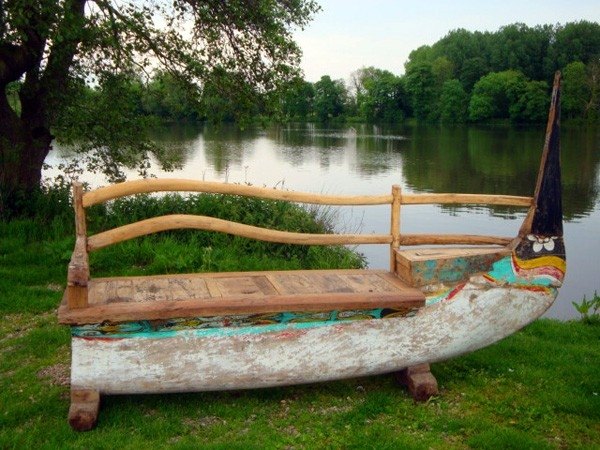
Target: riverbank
540, 388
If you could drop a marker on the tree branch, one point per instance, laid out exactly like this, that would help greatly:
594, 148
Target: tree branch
62, 53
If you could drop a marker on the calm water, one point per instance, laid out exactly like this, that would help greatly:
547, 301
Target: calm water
370, 159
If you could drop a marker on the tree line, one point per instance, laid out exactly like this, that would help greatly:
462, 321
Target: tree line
464, 77
467, 77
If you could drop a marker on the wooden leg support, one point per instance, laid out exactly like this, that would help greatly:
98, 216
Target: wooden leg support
420, 382
83, 413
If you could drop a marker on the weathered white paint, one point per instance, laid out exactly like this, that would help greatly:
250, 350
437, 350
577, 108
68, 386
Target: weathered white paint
477, 316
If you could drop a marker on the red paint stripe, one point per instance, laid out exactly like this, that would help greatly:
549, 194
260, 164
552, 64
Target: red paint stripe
455, 291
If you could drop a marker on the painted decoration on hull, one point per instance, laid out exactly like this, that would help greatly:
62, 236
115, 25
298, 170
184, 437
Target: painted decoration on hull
538, 263
208, 325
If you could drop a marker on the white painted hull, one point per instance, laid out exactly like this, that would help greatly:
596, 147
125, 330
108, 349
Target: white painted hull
475, 317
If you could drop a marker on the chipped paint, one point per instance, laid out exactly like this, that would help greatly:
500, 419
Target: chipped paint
465, 317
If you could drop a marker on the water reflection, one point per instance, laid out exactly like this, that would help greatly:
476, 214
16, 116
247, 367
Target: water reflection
366, 159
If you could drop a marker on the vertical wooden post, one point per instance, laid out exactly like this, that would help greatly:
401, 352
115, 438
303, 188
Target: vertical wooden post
80, 225
395, 226
79, 270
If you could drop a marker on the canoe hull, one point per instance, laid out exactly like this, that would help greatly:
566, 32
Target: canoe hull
467, 318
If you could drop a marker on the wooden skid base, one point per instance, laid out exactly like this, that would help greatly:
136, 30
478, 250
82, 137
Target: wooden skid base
83, 413
421, 384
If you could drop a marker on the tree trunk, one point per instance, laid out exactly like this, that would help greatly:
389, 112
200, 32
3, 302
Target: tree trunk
24, 146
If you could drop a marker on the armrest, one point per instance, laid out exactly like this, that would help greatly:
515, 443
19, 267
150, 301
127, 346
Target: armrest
78, 275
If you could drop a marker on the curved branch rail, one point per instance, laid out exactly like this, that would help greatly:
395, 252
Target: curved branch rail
178, 221
157, 185
160, 185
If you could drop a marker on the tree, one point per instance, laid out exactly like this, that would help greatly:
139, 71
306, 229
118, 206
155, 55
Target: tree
494, 94
421, 86
380, 95
52, 46
330, 98
453, 102
575, 41
531, 104
576, 90
297, 100
171, 98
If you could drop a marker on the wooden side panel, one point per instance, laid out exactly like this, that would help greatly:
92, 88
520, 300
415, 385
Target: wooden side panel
430, 266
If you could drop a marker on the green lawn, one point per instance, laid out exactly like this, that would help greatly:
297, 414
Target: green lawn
539, 388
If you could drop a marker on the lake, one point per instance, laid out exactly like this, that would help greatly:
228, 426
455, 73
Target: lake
367, 159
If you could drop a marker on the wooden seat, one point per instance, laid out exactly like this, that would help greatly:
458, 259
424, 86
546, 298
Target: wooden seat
188, 295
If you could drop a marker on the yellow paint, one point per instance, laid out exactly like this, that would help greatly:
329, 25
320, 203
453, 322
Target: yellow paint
552, 261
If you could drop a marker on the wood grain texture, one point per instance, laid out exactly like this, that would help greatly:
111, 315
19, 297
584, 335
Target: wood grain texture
395, 225
78, 274
452, 239
178, 221
421, 267
150, 298
172, 184
444, 198
419, 381
547, 218
80, 222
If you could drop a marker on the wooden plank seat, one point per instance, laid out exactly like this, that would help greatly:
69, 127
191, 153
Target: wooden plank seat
203, 295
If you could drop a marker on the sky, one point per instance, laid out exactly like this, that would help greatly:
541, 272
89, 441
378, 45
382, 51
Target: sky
347, 35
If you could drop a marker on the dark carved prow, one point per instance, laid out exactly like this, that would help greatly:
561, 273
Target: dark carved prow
545, 216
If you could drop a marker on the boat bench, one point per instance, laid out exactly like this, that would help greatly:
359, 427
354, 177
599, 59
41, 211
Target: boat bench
159, 298
124, 299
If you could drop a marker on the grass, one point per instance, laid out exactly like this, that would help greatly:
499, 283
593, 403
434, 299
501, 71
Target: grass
539, 388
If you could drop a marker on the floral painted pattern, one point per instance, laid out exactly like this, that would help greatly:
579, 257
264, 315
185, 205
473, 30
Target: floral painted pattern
542, 242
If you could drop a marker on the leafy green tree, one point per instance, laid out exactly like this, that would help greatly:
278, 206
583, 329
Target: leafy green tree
494, 94
454, 101
381, 96
531, 103
575, 41
172, 98
522, 48
576, 92
227, 97
443, 70
421, 86
330, 99
297, 100
468, 52
593, 72
51, 45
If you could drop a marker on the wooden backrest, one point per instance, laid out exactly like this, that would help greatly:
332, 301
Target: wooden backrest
178, 221
79, 267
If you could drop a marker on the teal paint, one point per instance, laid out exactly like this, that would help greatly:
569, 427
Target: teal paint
503, 271
220, 326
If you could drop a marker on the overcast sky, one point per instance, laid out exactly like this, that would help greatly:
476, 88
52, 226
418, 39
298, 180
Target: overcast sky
347, 35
